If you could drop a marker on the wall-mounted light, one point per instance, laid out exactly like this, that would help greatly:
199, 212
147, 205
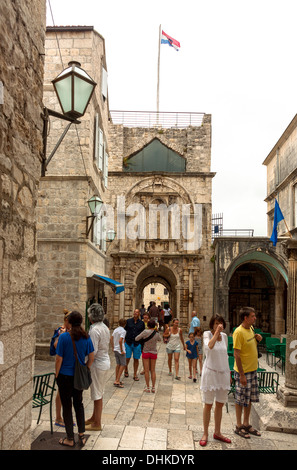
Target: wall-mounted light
95, 204
110, 235
74, 89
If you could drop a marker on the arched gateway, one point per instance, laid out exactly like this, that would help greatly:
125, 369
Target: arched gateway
251, 272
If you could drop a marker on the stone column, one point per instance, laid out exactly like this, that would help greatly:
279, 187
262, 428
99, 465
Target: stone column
177, 313
279, 311
191, 293
288, 393
122, 294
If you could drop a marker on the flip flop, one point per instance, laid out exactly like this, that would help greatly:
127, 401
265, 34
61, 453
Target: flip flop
126, 374
119, 385
136, 379
57, 423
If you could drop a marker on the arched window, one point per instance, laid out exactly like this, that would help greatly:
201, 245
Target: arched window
155, 157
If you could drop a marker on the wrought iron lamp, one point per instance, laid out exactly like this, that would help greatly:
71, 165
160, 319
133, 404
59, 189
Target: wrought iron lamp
110, 235
95, 204
74, 89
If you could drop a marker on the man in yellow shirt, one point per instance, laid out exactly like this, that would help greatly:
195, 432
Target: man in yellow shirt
245, 371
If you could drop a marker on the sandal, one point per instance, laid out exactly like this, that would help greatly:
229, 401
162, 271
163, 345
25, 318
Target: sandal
63, 443
82, 440
136, 379
250, 430
146, 389
153, 390
126, 374
120, 385
240, 431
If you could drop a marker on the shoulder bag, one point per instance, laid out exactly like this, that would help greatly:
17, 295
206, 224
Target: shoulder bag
82, 374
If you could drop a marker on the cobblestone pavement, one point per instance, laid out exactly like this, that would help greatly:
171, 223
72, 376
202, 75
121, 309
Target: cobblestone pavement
168, 420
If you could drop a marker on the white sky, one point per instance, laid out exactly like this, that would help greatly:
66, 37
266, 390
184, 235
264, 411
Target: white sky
237, 62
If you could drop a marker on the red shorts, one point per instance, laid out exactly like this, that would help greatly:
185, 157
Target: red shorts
149, 356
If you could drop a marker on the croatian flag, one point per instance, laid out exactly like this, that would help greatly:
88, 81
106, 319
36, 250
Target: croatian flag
165, 39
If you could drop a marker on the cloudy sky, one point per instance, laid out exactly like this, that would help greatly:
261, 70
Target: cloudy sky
237, 62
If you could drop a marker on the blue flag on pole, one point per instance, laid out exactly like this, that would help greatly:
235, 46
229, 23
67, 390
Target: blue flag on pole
278, 216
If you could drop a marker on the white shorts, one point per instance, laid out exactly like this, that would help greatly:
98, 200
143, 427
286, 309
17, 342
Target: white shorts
99, 379
220, 395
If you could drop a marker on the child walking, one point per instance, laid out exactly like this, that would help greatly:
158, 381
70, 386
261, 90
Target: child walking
198, 335
118, 345
192, 355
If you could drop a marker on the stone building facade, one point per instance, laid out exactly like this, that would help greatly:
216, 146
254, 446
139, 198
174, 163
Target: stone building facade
253, 271
78, 171
281, 164
22, 32
168, 167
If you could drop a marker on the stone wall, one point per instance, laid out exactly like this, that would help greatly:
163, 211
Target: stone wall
22, 30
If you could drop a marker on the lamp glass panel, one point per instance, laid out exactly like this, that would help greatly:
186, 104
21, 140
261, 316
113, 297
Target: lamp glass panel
82, 93
63, 88
95, 205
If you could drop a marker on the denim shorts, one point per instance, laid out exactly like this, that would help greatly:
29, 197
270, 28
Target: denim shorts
171, 351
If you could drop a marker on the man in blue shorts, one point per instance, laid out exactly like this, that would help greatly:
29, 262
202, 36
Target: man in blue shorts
134, 327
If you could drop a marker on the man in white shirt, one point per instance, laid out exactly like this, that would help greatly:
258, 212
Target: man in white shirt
100, 336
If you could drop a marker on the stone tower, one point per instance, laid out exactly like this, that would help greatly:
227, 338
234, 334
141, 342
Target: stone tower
160, 187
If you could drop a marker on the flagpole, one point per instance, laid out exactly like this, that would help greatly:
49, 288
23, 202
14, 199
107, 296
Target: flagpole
285, 223
288, 229
158, 79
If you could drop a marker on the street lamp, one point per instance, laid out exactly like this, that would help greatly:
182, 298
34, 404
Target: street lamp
95, 204
74, 89
110, 235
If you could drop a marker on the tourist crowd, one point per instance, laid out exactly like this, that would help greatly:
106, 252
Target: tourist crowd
137, 338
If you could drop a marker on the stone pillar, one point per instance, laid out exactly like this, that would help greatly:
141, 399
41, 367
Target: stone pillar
191, 294
122, 294
279, 311
177, 313
288, 393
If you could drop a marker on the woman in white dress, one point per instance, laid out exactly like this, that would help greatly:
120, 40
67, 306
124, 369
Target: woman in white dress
215, 379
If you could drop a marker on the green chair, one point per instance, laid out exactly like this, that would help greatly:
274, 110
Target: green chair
269, 346
230, 350
264, 335
276, 354
44, 387
283, 356
231, 362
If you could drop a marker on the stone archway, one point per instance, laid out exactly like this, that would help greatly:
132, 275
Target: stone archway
254, 285
258, 280
157, 273
234, 256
